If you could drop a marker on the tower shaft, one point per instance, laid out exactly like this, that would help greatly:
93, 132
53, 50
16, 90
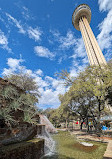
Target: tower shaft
93, 50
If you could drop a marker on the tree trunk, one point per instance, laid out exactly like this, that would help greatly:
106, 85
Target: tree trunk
94, 121
81, 125
99, 131
66, 124
72, 125
87, 124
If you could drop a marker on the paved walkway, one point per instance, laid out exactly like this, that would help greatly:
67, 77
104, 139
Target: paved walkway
85, 136
108, 152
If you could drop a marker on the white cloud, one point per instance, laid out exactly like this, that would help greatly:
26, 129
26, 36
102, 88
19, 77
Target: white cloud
7, 71
25, 8
7, 48
43, 52
34, 33
105, 5
79, 58
41, 83
25, 13
13, 64
105, 37
4, 42
50, 98
65, 42
68, 41
39, 72
79, 49
50, 94
17, 23
3, 39
29, 72
105, 27
76, 45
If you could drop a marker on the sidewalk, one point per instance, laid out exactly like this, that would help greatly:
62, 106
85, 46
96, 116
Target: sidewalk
108, 152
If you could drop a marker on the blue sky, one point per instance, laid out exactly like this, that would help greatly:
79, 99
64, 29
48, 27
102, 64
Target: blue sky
38, 37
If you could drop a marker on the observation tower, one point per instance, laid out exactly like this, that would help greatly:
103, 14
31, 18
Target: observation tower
81, 19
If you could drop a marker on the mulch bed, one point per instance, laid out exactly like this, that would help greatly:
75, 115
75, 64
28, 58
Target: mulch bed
85, 148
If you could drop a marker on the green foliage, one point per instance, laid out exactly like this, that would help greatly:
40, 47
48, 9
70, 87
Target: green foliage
29, 117
21, 95
15, 105
5, 115
25, 82
87, 93
64, 75
9, 92
13, 101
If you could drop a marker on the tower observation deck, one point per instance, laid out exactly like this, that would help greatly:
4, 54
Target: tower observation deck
81, 19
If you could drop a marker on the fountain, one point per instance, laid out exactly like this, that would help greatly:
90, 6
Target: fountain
49, 126
49, 147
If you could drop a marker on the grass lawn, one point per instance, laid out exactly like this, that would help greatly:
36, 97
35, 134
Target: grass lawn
69, 148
